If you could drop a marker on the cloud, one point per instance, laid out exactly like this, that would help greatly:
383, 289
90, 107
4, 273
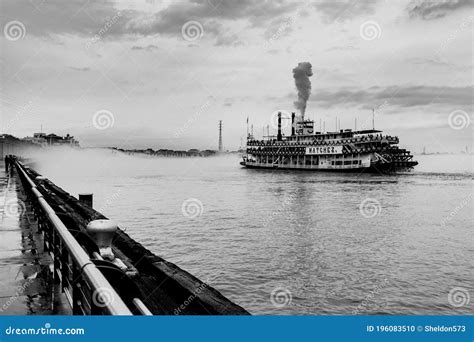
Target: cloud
149, 48
342, 48
437, 63
230, 40
273, 52
429, 9
429, 61
89, 18
53, 17
342, 10
281, 26
400, 96
79, 69
211, 15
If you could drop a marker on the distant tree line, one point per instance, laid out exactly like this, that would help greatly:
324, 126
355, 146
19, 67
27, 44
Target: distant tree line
168, 153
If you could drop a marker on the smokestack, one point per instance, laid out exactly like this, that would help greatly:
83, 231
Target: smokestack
279, 137
293, 123
301, 74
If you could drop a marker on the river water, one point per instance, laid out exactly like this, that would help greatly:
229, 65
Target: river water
299, 243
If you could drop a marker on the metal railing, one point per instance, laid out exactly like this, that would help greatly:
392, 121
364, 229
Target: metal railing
85, 287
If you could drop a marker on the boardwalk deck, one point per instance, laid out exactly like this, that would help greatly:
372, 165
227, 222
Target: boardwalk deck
24, 265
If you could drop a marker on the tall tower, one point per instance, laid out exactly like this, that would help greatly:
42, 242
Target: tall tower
220, 137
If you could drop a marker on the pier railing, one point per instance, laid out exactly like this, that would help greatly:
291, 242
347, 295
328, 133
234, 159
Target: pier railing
84, 285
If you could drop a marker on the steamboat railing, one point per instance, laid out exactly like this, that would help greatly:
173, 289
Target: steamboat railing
85, 287
320, 141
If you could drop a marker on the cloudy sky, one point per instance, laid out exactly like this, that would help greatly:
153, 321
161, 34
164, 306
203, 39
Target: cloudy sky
161, 74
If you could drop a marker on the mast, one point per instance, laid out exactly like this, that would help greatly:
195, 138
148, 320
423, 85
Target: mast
220, 136
373, 118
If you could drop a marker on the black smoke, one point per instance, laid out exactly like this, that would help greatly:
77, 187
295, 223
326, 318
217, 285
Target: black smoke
301, 74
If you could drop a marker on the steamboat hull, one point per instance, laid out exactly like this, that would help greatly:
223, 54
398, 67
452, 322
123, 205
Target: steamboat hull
370, 169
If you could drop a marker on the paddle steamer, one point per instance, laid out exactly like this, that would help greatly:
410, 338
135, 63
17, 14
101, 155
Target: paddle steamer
342, 150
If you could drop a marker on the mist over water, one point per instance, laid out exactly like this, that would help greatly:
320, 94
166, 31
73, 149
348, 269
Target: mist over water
256, 231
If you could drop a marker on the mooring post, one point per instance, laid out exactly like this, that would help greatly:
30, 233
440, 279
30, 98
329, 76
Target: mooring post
102, 232
87, 199
40, 179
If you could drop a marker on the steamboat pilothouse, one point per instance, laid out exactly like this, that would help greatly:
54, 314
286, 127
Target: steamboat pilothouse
343, 150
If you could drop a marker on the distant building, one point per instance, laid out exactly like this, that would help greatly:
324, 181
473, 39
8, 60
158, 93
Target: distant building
52, 139
10, 144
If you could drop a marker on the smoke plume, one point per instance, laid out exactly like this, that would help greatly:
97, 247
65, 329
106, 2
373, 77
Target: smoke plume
301, 74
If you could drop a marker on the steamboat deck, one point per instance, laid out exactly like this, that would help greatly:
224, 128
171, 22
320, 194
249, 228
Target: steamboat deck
346, 150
